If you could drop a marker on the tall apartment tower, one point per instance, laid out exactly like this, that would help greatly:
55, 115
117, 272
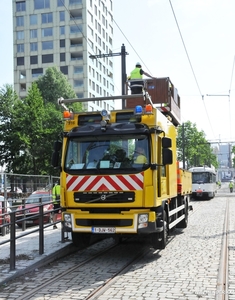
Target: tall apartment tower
64, 33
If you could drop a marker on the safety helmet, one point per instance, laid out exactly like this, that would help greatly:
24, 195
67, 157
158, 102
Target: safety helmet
138, 64
140, 159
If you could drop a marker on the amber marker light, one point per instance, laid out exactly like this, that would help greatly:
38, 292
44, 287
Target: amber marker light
67, 115
148, 109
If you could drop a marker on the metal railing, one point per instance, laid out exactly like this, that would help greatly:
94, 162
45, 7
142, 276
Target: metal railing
12, 227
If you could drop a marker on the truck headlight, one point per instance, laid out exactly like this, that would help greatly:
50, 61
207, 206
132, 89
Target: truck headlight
143, 220
67, 218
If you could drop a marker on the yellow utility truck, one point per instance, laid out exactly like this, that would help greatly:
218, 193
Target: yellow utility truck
119, 174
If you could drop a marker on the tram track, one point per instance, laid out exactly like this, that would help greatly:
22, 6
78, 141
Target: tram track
222, 290
145, 248
73, 272
96, 271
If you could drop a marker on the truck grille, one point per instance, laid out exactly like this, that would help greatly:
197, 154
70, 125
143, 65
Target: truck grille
104, 197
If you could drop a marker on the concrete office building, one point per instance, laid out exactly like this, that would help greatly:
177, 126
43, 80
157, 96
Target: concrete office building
64, 33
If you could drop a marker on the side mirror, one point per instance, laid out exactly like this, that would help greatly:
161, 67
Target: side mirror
167, 158
57, 146
166, 142
55, 155
55, 159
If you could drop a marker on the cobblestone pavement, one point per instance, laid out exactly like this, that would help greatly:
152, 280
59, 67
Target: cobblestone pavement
186, 269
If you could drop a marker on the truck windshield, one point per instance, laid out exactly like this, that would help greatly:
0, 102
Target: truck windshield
101, 155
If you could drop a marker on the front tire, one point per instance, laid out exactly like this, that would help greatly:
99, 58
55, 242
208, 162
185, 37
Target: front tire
159, 239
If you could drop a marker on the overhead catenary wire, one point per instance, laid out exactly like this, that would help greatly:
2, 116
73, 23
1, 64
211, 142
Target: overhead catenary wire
74, 20
202, 96
131, 45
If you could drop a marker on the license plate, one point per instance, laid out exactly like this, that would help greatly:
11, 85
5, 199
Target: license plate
103, 229
29, 222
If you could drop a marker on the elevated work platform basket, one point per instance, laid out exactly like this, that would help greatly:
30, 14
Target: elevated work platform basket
163, 95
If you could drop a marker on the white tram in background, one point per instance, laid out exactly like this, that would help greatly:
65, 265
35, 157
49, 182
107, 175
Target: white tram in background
203, 182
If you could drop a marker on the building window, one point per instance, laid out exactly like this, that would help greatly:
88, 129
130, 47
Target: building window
20, 6
20, 21
47, 18
91, 44
47, 31
103, 20
22, 74
64, 70
62, 56
20, 35
47, 58
62, 16
62, 43
20, 48
60, 3
78, 83
33, 60
76, 56
78, 69
40, 4
33, 19
62, 30
111, 29
33, 33
90, 17
81, 95
90, 30
99, 28
34, 46
20, 61
23, 87
37, 72
76, 29
75, 1
47, 45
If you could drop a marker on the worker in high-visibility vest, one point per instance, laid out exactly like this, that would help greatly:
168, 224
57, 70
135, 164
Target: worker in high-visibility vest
56, 202
137, 73
231, 184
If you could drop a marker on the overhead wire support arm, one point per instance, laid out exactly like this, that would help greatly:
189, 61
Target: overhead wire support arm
62, 101
218, 95
123, 54
104, 55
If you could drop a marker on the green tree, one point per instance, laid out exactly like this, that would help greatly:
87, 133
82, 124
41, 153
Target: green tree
233, 160
39, 126
54, 85
28, 123
29, 126
10, 143
193, 148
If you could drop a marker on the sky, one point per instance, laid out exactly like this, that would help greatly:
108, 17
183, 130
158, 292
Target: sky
190, 41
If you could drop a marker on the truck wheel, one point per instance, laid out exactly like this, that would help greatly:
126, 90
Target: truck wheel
159, 239
81, 240
184, 222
